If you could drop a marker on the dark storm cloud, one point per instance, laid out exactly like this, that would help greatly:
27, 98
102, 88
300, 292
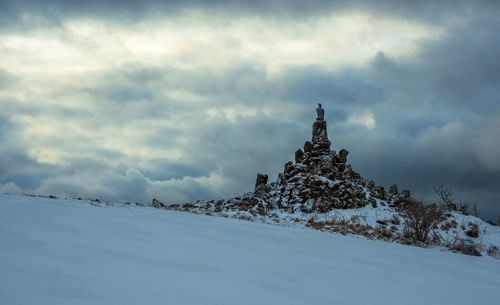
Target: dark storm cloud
314, 83
437, 112
160, 170
30, 13
5, 126
463, 69
16, 166
444, 102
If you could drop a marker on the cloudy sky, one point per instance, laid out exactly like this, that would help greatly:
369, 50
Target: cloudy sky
186, 100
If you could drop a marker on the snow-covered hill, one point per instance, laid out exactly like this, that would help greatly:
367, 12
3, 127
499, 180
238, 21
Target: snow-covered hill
321, 190
73, 252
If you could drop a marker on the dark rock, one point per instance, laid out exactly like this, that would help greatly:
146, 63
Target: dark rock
393, 189
343, 156
473, 230
405, 194
308, 147
379, 193
174, 206
187, 206
318, 181
288, 167
319, 132
382, 222
320, 142
158, 204
299, 156
261, 180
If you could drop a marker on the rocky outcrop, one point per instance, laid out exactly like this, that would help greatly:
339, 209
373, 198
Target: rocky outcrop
393, 189
299, 156
319, 180
318, 188
261, 180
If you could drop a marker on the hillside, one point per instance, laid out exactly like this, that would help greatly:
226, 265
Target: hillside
76, 252
321, 190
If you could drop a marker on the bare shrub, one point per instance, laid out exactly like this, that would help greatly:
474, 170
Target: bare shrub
493, 251
491, 222
355, 218
420, 220
381, 232
465, 247
445, 196
475, 210
464, 208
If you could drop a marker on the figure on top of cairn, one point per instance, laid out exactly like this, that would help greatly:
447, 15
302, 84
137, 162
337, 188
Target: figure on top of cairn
320, 112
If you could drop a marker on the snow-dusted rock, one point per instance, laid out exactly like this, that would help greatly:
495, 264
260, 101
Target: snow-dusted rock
321, 190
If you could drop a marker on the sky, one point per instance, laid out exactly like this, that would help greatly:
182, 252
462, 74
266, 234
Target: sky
187, 100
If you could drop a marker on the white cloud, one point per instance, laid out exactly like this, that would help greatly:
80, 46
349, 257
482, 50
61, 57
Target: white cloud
366, 119
10, 188
194, 105
55, 66
197, 39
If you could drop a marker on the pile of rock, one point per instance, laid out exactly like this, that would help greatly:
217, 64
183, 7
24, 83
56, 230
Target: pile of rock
319, 181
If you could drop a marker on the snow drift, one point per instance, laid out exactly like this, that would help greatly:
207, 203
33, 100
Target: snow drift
72, 252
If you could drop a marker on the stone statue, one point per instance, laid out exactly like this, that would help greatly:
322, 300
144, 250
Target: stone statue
320, 112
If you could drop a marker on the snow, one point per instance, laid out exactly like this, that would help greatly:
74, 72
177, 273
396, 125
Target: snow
72, 252
487, 239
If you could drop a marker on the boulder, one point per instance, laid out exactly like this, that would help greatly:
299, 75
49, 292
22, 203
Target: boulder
320, 142
393, 189
343, 156
319, 132
288, 167
317, 181
299, 156
261, 180
308, 147
158, 204
379, 192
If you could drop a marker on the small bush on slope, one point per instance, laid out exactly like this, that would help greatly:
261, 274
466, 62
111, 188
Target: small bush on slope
493, 251
420, 220
465, 246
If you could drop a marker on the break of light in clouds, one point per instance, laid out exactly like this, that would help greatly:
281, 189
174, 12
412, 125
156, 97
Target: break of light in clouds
186, 103
196, 39
65, 67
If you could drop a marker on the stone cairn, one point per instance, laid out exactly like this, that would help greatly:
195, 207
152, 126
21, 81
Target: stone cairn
319, 181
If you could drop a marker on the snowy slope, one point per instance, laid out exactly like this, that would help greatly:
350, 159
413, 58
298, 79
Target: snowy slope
71, 252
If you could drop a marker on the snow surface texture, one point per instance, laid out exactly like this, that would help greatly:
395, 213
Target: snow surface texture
374, 219
72, 252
